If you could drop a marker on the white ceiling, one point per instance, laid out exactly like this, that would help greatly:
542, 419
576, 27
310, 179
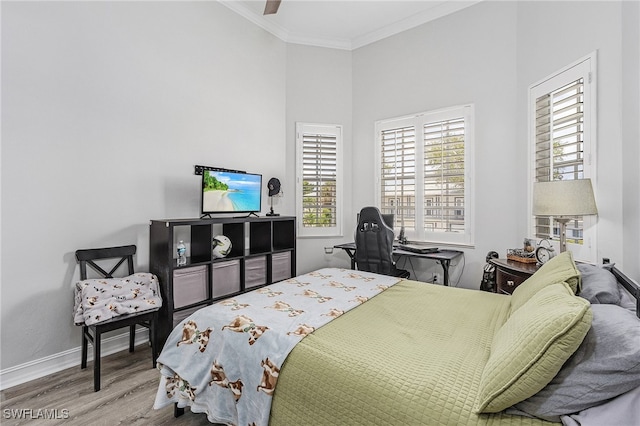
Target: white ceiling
343, 24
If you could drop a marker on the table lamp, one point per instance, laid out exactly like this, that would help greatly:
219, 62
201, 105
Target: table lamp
562, 199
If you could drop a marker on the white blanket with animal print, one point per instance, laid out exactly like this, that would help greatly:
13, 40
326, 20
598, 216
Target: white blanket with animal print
98, 300
224, 359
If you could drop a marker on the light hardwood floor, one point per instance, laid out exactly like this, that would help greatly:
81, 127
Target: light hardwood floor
126, 396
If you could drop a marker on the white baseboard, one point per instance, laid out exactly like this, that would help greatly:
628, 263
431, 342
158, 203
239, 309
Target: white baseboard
31, 370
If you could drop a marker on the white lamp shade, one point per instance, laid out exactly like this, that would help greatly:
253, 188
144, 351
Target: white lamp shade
564, 198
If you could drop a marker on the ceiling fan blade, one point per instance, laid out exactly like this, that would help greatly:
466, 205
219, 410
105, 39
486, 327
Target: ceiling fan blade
271, 7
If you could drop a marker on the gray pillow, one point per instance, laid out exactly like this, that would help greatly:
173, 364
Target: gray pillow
598, 284
606, 364
619, 411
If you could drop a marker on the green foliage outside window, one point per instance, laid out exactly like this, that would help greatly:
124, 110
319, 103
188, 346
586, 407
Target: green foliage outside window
454, 160
318, 211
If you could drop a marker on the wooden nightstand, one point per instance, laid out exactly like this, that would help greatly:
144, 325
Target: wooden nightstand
510, 274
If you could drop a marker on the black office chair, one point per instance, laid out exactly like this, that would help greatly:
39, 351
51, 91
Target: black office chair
374, 244
93, 333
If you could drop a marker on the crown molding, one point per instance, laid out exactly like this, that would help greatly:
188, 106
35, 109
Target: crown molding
343, 44
438, 11
245, 12
441, 9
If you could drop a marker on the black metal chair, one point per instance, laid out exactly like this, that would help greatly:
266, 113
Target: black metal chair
94, 332
374, 244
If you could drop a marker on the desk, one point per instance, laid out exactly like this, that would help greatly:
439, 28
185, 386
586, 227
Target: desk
443, 256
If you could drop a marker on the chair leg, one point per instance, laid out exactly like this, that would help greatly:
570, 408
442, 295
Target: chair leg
132, 337
152, 339
83, 362
96, 360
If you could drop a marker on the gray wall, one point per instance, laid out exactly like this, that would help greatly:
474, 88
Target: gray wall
489, 54
574, 31
630, 150
106, 107
319, 90
467, 57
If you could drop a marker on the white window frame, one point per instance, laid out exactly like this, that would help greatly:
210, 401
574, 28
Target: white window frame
418, 121
583, 68
325, 129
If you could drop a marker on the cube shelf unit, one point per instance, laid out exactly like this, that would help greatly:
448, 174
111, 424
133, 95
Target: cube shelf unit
263, 251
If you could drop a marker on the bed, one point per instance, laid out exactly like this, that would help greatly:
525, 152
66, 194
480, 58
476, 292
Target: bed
339, 346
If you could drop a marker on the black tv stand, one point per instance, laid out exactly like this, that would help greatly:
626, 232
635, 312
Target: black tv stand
263, 251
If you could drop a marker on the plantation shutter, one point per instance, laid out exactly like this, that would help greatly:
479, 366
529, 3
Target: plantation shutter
319, 179
424, 164
444, 176
398, 174
559, 147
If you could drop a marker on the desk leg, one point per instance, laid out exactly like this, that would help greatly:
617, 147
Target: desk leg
445, 268
352, 256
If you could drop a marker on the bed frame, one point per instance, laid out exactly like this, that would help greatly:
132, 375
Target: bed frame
630, 286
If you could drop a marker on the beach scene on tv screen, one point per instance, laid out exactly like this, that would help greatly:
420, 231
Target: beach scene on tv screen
230, 192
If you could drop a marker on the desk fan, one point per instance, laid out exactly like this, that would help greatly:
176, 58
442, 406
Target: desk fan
274, 189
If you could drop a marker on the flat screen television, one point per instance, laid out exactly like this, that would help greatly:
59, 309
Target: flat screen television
226, 191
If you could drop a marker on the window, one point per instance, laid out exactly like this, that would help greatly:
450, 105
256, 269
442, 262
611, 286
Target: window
424, 174
319, 179
562, 141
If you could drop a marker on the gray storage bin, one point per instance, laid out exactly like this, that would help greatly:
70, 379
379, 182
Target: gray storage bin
189, 286
280, 266
255, 271
180, 315
225, 277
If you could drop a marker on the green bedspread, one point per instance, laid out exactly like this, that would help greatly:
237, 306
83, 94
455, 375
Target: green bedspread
412, 355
